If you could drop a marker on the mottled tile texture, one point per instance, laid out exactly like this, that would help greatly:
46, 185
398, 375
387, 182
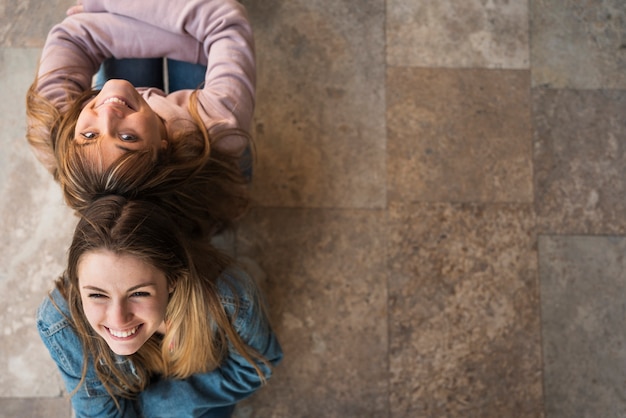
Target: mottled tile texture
408, 154
320, 120
326, 285
580, 161
579, 44
458, 135
25, 23
583, 283
464, 313
35, 226
35, 408
457, 34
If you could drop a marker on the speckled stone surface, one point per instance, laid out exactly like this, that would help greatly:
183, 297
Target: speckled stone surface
458, 135
36, 227
457, 34
578, 44
464, 311
583, 283
320, 120
35, 408
25, 23
394, 228
580, 161
327, 288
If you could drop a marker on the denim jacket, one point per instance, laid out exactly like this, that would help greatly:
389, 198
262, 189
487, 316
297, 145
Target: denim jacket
206, 395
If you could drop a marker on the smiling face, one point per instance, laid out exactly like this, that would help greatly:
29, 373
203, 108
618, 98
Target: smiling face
116, 121
124, 299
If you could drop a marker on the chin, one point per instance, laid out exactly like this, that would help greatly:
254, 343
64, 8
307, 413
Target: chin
126, 348
123, 351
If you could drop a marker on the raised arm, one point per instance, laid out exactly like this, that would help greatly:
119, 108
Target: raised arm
73, 51
222, 29
76, 47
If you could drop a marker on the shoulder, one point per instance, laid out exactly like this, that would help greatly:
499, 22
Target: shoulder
236, 286
245, 304
60, 338
172, 108
240, 297
53, 313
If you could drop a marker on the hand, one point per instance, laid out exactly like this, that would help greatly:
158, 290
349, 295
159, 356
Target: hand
78, 8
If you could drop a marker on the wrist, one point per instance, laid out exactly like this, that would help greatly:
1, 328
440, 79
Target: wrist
94, 6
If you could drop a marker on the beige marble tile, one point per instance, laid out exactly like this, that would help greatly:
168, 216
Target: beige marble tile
35, 408
583, 282
25, 23
320, 120
36, 227
326, 283
457, 34
464, 311
578, 44
580, 164
459, 135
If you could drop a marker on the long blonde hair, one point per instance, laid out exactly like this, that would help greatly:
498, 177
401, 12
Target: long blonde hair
195, 314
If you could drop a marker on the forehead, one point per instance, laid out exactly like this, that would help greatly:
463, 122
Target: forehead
99, 155
96, 159
108, 270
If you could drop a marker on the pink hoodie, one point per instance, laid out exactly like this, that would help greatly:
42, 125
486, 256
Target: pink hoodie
215, 33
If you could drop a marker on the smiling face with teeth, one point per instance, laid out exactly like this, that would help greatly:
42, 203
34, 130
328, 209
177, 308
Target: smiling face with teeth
116, 121
124, 299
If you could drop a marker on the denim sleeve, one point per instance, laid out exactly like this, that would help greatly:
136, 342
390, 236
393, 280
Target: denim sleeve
233, 381
57, 334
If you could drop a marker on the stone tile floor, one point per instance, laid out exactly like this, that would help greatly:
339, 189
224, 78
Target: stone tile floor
440, 201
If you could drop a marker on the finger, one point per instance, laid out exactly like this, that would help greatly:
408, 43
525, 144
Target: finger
74, 10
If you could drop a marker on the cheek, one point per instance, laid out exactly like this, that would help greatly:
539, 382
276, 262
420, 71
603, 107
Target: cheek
162, 308
152, 128
91, 310
82, 120
92, 314
159, 309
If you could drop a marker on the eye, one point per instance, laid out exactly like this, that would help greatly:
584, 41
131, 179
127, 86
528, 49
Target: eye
140, 294
88, 135
128, 138
96, 296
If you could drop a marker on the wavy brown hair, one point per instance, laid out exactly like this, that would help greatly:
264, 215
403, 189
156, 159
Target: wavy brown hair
203, 187
195, 314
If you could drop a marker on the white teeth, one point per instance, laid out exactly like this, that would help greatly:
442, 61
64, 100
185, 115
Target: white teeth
115, 100
123, 334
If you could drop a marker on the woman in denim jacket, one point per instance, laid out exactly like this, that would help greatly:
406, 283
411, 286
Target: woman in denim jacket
146, 323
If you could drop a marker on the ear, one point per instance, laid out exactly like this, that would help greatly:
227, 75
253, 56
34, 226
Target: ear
163, 132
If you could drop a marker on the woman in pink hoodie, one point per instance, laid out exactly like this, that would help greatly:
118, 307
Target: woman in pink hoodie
135, 139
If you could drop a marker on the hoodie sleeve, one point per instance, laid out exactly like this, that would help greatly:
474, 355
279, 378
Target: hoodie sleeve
73, 52
226, 42
76, 47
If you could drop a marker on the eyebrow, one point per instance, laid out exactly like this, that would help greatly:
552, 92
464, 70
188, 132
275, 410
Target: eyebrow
116, 146
97, 289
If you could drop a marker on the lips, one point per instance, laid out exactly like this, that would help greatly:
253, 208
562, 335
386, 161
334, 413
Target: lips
123, 333
116, 100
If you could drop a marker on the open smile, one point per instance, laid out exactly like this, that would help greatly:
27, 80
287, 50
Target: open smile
126, 334
116, 100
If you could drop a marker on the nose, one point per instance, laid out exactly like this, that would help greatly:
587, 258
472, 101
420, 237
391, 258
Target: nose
109, 113
119, 314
